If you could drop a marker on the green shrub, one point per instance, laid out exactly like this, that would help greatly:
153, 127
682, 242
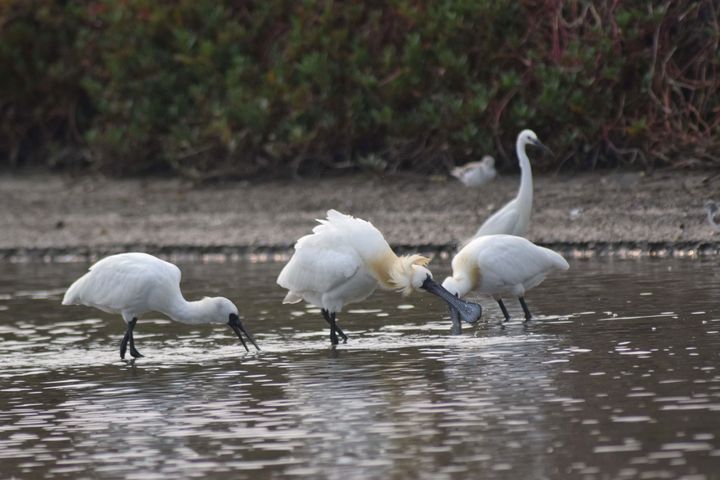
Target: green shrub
242, 88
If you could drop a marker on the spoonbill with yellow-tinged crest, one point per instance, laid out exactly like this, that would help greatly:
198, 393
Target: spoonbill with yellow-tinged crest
345, 259
498, 265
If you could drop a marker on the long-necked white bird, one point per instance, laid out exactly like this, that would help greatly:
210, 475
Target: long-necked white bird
345, 259
498, 265
132, 284
514, 217
476, 174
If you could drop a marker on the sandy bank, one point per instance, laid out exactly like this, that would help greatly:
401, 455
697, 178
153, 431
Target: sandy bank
88, 215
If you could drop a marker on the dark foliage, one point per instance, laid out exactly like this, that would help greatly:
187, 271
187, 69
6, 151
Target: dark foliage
239, 88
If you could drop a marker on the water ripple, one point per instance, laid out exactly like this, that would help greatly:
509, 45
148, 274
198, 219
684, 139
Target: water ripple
617, 379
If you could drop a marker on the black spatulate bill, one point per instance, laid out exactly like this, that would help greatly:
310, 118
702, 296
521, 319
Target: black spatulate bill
468, 312
239, 330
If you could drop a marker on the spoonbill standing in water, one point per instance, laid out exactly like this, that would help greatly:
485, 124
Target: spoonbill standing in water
345, 259
132, 284
498, 265
514, 217
476, 174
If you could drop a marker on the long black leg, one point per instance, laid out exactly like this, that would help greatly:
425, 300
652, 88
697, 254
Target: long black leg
330, 319
123, 344
129, 337
528, 315
504, 310
333, 325
337, 327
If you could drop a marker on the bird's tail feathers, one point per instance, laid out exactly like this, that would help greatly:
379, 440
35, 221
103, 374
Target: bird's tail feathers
557, 260
292, 297
71, 296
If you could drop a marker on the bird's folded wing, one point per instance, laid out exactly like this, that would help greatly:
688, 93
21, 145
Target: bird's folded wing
120, 282
513, 265
318, 269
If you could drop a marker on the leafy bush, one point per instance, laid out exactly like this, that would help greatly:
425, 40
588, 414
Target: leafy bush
240, 88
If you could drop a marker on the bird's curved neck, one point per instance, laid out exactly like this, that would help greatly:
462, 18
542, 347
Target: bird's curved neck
526, 182
466, 272
194, 313
381, 267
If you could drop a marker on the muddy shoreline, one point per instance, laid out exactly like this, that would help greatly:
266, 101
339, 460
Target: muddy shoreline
60, 218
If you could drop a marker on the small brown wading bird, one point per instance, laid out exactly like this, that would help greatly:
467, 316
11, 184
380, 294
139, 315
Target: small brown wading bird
476, 174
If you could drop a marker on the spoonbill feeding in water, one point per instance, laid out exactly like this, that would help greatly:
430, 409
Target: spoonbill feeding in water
476, 174
132, 284
498, 265
345, 259
514, 217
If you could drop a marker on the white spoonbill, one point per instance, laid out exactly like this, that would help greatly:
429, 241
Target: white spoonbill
476, 174
498, 265
514, 217
345, 259
132, 284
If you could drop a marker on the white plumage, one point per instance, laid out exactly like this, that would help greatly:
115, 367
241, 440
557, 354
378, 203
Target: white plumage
119, 284
343, 261
328, 269
514, 217
476, 174
133, 284
501, 265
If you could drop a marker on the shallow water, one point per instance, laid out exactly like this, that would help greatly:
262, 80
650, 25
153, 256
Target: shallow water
617, 377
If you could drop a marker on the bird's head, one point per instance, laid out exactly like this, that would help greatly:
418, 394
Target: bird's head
219, 309
528, 137
409, 272
451, 285
223, 310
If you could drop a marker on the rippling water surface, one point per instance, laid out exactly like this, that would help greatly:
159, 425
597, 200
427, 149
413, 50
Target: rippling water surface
617, 377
